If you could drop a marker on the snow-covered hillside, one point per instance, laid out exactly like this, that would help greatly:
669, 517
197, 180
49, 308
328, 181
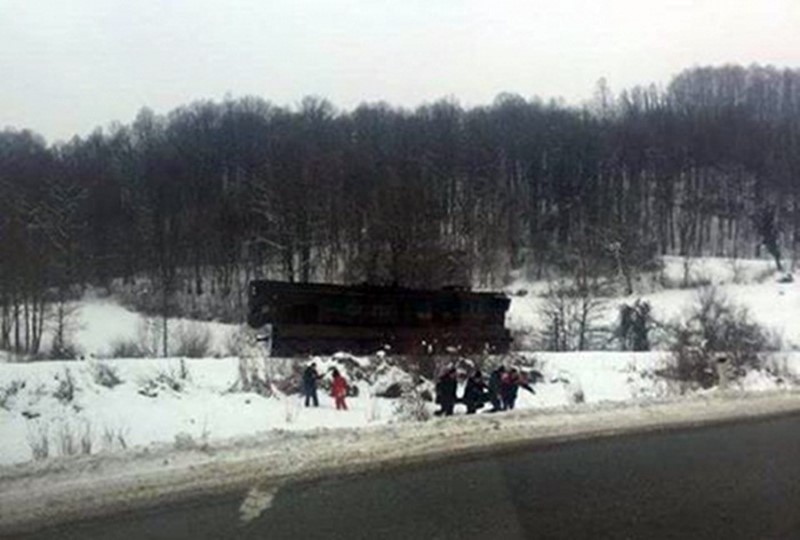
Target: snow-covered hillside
100, 323
752, 284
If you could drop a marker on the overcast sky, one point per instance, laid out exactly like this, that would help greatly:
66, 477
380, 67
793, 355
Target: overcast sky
67, 66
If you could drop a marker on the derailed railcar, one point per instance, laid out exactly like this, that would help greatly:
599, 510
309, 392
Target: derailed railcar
310, 318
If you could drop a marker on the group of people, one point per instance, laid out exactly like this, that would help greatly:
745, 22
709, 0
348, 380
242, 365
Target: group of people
500, 390
339, 387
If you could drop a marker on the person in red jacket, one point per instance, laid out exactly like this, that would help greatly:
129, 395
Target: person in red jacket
339, 390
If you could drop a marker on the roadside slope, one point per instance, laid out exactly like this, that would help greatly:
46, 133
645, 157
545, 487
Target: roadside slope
49, 493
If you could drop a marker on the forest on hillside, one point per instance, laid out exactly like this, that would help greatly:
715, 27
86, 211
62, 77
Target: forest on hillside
213, 193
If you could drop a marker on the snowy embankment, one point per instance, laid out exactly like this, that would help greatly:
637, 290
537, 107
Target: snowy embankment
196, 401
47, 493
52, 409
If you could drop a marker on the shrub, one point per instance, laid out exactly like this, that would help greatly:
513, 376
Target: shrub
778, 366
9, 391
166, 379
115, 437
193, 340
715, 329
633, 328
571, 319
129, 348
183, 370
72, 439
65, 351
39, 441
185, 441
65, 392
690, 364
67, 440
86, 438
171, 380
105, 375
412, 407
576, 395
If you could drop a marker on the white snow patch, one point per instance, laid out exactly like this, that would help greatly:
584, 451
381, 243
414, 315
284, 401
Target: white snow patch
255, 503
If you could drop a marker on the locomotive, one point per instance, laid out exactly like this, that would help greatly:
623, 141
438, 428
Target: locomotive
314, 318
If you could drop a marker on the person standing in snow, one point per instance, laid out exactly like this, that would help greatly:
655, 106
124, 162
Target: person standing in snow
446, 393
310, 378
339, 389
475, 392
495, 383
509, 388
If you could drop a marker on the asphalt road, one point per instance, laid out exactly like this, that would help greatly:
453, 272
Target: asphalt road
731, 481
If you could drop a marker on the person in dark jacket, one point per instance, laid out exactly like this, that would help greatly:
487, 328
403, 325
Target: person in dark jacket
310, 378
509, 388
446, 393
475, 392
495, 396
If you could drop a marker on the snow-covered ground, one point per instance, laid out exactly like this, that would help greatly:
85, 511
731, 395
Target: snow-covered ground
749, 283
146, 406
185, 402
195, 402
100, 323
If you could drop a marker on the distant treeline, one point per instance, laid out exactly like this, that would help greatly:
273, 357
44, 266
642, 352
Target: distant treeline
436, 195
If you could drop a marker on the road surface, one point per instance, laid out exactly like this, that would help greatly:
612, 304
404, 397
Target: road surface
731, 481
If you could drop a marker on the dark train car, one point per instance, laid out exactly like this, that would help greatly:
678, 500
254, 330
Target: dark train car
310, 318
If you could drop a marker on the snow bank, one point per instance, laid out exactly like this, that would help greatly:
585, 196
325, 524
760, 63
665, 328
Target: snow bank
146, 407
158, 400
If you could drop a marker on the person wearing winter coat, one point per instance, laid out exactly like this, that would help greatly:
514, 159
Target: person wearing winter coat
475, 392
509, 388
446, 393
495, 383
339, 389
310, 378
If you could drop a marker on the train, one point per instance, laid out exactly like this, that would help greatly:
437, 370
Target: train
318, 319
